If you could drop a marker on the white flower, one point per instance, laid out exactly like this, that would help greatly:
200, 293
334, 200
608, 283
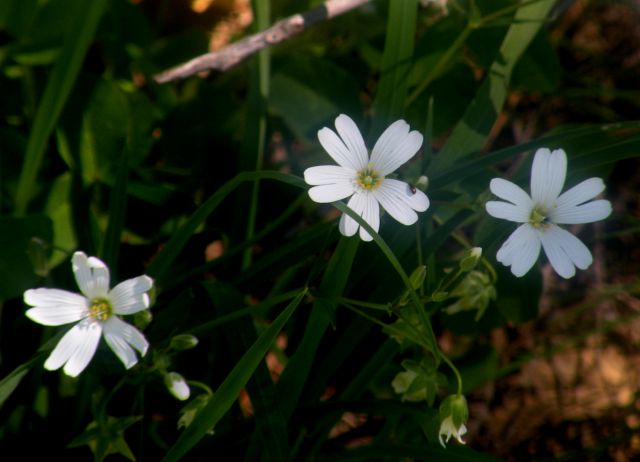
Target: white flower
95, 313
363, 178
543, 211
448, 429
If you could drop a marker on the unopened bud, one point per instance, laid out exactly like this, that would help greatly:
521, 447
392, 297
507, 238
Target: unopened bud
470, 259
177, 385
183, 342
417, 277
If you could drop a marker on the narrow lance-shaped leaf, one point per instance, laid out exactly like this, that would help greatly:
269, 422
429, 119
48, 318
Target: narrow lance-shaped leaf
75, 46
396, 63
471, 132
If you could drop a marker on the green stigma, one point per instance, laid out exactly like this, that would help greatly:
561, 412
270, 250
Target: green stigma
538, 218
369, 178
100, 309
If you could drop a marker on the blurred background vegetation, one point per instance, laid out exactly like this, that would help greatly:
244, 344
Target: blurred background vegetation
95, 155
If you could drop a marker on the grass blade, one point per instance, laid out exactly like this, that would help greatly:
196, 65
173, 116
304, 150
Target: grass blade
470, 133
396, 63
75, 46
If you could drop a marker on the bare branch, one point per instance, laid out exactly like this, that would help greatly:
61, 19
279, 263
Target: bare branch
233, 54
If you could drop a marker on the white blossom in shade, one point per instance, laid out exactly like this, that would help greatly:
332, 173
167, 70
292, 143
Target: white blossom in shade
448, 429
542, 212
95, 313
363, 178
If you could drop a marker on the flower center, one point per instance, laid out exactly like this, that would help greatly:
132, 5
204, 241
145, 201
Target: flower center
538, 218
369, 178
100, 309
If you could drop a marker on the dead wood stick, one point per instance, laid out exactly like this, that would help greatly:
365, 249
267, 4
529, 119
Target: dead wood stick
233, 54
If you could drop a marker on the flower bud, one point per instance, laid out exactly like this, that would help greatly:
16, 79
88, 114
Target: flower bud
470, 259
423, 183
417, 277
37, 252
177, 385
183, 342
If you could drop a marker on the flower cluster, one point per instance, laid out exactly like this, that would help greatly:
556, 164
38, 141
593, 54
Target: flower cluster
365, 181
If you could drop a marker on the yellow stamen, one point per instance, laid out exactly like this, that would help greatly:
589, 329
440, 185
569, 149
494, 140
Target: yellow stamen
538, 218
100, 309
369, 178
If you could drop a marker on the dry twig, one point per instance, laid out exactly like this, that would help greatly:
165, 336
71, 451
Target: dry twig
233, 54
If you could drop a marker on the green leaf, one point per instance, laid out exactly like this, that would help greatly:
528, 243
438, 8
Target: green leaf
16, 270
106, 438
396, 63
13, 379
76, 43
470, 133
229, 390
307, 90
105, 126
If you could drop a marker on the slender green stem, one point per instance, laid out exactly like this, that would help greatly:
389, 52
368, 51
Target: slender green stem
454, 369
259, 123
201, 385
373, 306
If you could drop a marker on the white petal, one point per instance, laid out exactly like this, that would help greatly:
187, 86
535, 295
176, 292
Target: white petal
547, 176
580, 193
398, 200
586, 213
91, 274
337, 150
390, 138
417, 200
565, 246
395, 147
76, 348
348, 226
55, 307
331, 192
328, 174
508, 211
370, 214
117, 331
130, 296
350, 134
511, 192
520, 250
552, 245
